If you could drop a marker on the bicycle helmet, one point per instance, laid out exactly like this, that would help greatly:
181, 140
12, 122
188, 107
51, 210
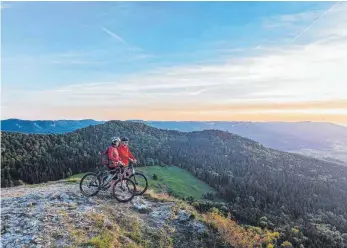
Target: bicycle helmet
125, 139
114, 140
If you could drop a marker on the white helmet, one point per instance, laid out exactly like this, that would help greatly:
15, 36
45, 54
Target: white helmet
114, 140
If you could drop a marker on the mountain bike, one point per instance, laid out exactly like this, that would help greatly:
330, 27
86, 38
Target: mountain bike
139, 179
124, 189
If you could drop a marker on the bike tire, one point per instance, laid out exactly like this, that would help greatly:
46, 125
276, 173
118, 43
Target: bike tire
128, 181
96, 179
132, 177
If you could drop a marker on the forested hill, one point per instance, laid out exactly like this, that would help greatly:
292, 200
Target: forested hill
289, 189
321, 140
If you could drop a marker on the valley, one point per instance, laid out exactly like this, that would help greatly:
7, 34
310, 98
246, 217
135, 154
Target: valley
262, 187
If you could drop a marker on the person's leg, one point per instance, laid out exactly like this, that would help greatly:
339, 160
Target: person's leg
112, 182
111, 185
125, 173
128, 171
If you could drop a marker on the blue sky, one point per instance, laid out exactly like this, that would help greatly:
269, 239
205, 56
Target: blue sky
137, 55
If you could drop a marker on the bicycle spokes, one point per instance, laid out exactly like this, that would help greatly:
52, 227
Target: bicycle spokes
93, 183
123, 190
134, 179
140, 181
89, 184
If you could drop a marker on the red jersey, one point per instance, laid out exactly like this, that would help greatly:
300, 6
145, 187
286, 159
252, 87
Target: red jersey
125, 154
113, 156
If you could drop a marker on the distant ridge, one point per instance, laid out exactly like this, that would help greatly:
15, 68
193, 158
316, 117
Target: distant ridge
323, 140
46, 126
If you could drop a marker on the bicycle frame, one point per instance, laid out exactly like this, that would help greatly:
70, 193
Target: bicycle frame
131, 168
116, 176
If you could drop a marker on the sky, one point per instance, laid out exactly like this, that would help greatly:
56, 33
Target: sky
243, 61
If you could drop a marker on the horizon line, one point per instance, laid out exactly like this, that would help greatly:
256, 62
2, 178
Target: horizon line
151, 120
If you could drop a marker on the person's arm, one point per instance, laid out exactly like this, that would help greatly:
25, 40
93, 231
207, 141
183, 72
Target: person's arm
109, 154
116, 155
110, 158
105, 152
113, 154
131, 156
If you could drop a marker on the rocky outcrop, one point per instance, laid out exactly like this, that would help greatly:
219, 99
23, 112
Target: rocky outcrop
57, 215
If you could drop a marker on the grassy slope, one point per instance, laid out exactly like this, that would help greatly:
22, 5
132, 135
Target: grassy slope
180, 181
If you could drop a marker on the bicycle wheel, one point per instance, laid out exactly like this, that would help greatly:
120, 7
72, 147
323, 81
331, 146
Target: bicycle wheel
124, 190
140, 181
90, 184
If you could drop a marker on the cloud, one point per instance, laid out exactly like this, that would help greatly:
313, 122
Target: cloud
330, 106
284, 78
64, 58
77, 59
5, 6
112, 113
315, 21
133, 53
113, 35
288, 20
198, 92
72, 62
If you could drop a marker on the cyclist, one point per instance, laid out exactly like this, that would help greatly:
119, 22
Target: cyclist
113, 159
124, 153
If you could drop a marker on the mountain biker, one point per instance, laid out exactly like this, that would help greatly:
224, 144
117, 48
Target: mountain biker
113, 156
112, 153
124, 153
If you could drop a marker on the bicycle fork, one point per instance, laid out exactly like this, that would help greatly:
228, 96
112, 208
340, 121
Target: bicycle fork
133, 172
